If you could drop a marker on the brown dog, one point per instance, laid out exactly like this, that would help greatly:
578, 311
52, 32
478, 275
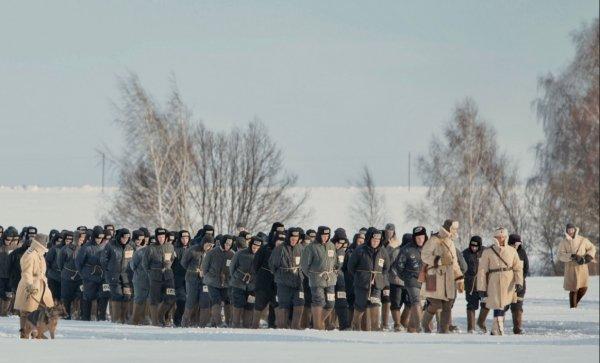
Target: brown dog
43, 320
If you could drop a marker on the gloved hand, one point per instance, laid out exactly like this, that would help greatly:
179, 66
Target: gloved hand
518, 288
460, 286
588, 258
580, 260
447, 258
436, 261
31, 290
573, 257
482, 294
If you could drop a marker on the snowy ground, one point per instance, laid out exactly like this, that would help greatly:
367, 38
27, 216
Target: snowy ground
554, 333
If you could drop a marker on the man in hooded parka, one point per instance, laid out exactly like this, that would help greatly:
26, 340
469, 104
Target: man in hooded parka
89, 266
70, 278
241, 282
115, 261
197, 301
8, 244
158, 261
472, 254
215, 274
182, 243
576, 252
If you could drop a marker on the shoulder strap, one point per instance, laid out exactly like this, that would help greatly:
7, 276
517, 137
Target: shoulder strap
497, 254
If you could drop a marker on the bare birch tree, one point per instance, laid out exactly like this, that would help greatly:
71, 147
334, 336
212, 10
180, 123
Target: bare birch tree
369, 207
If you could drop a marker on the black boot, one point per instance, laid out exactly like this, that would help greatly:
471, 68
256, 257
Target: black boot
179, 312
102, 305
343, 318
86, 310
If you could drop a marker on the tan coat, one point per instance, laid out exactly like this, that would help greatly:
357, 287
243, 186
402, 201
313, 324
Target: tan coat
33, 274
576, 276
499, 285
446, 275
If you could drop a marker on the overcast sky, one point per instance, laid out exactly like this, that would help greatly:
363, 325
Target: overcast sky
338, 83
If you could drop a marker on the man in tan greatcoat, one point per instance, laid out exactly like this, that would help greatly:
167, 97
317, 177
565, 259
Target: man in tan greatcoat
576, 252
32, 290
443, 276
499, 277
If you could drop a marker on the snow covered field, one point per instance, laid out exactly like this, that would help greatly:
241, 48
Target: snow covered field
554, 333
68, 207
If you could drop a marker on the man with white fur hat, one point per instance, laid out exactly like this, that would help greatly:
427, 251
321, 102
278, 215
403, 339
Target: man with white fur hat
499, 277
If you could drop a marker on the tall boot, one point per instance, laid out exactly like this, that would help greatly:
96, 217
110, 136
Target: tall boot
375, 314
22, 322
163, 313
76, 309
203, 317
572, 299
179, 309
236, 317
186, 318
404, 317
396, 316
3, 308
94, 310
414, 320
138, 314
366, 321
247, 317
215, 316
426, 322
297, 317
86, 310
470, 321
306, 317
281, 318
444, 322
451, 327
227, 314
124, 311
343, 318
271, 316
114, 311
102, 306
256, 318
483, 313
498, 328
385, 316
67, 305
327, 317
357, 320
154, 315
580, 293
517, 318
317, 316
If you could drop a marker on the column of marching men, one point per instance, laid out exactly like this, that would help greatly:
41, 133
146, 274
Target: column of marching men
286, 279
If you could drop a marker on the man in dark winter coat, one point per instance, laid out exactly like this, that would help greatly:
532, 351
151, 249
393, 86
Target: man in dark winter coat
284, 262
319, 262
158, 261
516, 309
88, 263
307, 239
70, 279
115, 261
9, 242
52, 270
407, 266
341, 317
471, 255
265, 289
139, 280
241, 282
368, 264
357, 240
215, 274
398, 295
206, 230
197, 300
182, 242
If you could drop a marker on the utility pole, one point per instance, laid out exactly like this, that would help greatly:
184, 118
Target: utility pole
409, 171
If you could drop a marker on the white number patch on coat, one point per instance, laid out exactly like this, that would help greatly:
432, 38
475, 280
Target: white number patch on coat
170, 291
340, 258
297, 260
301, 295
127, 291
80, 287
204, 288
386, 292
374, 300
250, 299
380, 262
105, 287
341, 294
167, 256
227, 263
330, 297
330, 253
128, 254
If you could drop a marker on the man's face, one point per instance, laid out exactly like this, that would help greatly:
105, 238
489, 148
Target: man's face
99, 239
501, 240
227, 245
161, 239
375, 240
360, 241
139, 241
125, 238
294, 240
389, 233
81, 239
474, 248
571, 232
207, 247
420, 240
185, 239
68, 240
324, 238
10, 240
254, 248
